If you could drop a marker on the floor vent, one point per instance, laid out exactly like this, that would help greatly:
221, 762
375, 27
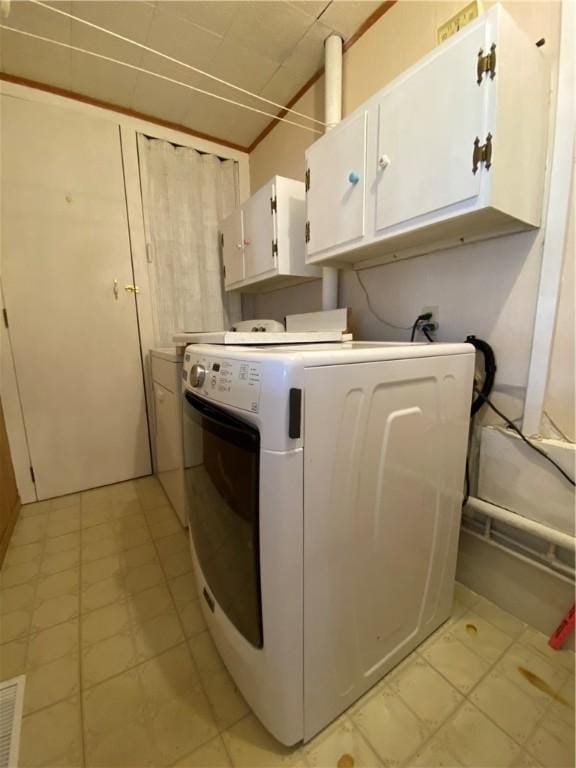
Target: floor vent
11, 702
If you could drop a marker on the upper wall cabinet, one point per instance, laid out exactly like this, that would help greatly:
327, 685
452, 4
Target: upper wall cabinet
451, 151
263, 244
336, 205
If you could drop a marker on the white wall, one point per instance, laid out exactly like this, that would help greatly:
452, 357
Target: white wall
488, 289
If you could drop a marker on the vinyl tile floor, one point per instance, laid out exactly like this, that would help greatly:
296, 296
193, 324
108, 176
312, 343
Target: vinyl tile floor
98, 608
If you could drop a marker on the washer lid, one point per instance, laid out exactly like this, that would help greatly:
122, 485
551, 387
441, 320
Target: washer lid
173, 354
260, 338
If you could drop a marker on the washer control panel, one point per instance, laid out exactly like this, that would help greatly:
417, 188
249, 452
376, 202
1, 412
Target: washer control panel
232, 382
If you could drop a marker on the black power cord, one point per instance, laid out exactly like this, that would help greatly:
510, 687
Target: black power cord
483, 399
421, 319
513, 426
467, 466
489, 370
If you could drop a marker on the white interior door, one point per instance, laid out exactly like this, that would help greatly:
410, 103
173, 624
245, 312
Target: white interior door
335, 199
65, 247
427, 124
232, 232
259, 233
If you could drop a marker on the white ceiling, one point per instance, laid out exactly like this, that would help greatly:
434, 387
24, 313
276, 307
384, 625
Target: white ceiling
270, 47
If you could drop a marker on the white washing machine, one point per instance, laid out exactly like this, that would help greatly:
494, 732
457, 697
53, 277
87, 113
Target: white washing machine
324, 485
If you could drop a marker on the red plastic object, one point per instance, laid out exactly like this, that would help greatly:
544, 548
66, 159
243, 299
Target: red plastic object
560, 634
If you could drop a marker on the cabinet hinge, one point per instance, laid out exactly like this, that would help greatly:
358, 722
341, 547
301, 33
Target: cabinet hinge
5, 317
307, 232
224, 271
307, 179
274, 248
32, 475
273, 205
222, 240
482, 153
486, 64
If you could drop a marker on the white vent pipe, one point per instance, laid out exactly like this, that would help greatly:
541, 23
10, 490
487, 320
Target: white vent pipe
332, 116
532, 527
332, 81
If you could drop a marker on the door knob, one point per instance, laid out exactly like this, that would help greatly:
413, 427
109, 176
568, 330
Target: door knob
383, 161
132, 288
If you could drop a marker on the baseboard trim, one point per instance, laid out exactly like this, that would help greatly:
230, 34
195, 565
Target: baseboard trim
534, 596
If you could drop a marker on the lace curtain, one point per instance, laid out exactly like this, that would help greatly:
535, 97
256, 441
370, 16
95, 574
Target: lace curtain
185, 193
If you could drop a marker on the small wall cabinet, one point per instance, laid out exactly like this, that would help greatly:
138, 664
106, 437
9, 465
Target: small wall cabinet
453, 150
263, 244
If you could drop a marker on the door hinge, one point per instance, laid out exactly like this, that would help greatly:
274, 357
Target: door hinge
274, 249
273, 205
482, 153
5, 317
486, 64
307, 232
307, 179
32, 475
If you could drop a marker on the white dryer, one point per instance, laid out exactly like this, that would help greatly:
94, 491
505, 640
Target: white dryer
324, 485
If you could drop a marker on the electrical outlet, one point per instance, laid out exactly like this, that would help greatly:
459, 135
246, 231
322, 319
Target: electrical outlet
434, 323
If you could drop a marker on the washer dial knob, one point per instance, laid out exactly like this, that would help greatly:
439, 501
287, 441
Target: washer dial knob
197, 375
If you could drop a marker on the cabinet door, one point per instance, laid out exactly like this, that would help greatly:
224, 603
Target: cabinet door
427, 123
232, 233
290, 218
259, 233
335, 200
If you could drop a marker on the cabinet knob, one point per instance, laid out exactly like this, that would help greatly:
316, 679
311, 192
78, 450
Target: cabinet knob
247, 241
239, 246
353, 177
383, 161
